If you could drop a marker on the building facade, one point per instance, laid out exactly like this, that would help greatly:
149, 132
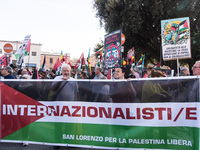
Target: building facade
51, 58
31, 60
36, 56
93, 60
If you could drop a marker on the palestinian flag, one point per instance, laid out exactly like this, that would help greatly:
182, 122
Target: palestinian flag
88, 64
183, 26
57, 64
44, 64
157, 66
24, 49
80, 62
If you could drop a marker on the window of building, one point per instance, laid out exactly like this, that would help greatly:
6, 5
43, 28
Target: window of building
34, 53
51, 60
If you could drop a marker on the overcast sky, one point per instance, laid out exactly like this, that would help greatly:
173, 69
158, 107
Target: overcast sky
68, 25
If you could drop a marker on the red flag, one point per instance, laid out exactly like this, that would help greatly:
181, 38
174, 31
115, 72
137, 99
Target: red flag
29, 46
37, 73
109, 74
70, 64
127, 61
5, 61
145, 75
57, 64
158, 64
29, 72
66, 58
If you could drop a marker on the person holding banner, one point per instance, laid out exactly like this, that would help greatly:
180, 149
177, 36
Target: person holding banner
152, 91
66, 89
194, 94
100, 90
122, 92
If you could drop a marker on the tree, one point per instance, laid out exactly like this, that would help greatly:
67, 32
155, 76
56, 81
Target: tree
98, 46
140, 21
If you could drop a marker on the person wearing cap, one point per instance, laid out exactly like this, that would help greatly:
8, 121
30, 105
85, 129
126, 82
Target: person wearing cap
184, 71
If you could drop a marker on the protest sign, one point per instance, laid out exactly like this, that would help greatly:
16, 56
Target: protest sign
175, 35
112, 52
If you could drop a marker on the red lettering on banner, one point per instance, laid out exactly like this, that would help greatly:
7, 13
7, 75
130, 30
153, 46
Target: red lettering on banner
102, 111
128, 114
54, 111
179, 113
189, 113
83, 111
169, 113
150, 113
89, 112
138, 113
77, 108
65, 111
121, 114
160, 114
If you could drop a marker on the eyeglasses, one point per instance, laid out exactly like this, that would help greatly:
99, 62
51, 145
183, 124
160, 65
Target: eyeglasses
194, 67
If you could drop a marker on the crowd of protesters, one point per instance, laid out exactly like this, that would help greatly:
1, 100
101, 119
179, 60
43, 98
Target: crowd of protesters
12, 72
115, 92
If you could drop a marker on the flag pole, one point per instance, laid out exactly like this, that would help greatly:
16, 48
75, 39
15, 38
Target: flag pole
177, 67
28, 59
111, 73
